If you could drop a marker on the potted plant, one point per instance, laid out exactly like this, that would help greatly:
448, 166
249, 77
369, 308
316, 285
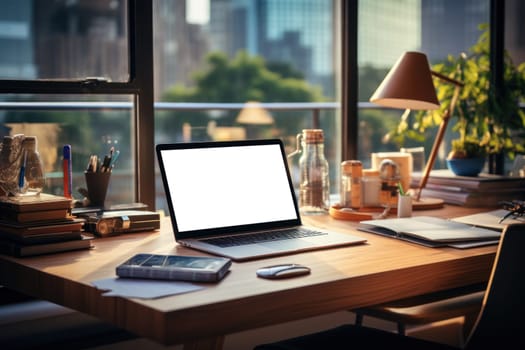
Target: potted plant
467, 157
485, 123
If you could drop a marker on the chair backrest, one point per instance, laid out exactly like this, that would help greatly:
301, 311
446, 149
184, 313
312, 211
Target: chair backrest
501, 321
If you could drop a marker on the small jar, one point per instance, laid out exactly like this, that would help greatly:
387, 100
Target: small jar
34, 181
351, 174
389, 175
371, 188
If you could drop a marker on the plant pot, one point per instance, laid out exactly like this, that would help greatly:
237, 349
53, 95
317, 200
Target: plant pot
466, 166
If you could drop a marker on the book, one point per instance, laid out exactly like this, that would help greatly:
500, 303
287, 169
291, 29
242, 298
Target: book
491, 219
122, 221
85, 211
17, 249
473, 198
36, 228
43, 201
33, 216
432, 231
175, 267
42, 237
482, 182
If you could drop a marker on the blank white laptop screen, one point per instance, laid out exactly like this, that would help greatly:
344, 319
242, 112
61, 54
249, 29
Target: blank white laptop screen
236, 199
228, 186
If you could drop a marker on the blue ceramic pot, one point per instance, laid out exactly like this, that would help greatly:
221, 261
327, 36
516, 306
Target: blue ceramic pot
466, 166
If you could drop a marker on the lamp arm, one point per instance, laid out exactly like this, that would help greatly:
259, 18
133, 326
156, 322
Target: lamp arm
439, 136
445, 78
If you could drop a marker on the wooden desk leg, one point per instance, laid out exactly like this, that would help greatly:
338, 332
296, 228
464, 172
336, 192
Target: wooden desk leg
206, 344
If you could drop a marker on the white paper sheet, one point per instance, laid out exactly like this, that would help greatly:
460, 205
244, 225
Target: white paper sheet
143, 288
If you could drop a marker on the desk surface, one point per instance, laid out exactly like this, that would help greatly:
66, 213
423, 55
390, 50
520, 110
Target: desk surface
384, 269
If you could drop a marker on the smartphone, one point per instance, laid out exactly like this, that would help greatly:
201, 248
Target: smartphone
175, 267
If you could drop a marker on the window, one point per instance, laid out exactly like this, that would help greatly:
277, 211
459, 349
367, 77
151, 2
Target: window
74, 72
514, 30
436, 27
90, 125
64, 40
211, 57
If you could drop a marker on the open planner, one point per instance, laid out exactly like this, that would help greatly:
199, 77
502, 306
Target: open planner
432, 232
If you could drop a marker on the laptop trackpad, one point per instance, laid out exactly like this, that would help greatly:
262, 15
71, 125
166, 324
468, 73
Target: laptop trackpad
287, 244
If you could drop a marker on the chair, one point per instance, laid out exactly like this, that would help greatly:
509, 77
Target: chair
428, 308
499, 323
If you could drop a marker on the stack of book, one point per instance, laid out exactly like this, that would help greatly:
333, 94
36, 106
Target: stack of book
484, 190
33, 225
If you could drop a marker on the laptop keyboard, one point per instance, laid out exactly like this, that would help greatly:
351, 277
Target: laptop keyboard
261, 237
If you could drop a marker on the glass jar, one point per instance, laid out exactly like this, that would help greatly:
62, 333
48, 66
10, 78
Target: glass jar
351, 173
34, 170
314, 183
371, 188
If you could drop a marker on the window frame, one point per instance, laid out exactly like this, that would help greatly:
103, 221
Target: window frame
139, 85
350, 74
349, 79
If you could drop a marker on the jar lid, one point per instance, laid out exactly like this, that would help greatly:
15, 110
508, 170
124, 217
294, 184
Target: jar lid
313, 136
370, 172
352, 167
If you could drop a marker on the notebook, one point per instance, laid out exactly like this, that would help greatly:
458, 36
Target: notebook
235, 199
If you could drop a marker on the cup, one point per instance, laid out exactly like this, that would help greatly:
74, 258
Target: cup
418, 158
97, 187
404, 206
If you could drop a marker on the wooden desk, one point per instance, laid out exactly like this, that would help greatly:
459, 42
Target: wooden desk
384, 269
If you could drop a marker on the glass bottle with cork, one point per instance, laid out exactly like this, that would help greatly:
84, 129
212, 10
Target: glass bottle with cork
314, 183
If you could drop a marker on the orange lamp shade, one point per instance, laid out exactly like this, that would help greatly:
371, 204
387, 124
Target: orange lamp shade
408, 85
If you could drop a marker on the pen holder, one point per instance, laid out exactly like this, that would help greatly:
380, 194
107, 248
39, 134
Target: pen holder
404, 206
97, 187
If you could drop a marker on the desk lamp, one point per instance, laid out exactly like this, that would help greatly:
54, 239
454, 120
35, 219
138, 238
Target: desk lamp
408, 85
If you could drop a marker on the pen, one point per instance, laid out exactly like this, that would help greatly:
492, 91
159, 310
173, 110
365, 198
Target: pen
67, 171
105, 164
114, 159
89, 167
94, 163
22, 172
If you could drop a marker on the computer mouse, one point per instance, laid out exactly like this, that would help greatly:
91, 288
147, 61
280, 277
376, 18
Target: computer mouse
283, 271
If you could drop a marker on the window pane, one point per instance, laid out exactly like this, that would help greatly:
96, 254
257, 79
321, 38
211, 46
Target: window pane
88, 125
386, 30
64, 39
213, 56
515, 31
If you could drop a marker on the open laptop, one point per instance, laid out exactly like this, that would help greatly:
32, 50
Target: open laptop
234, 199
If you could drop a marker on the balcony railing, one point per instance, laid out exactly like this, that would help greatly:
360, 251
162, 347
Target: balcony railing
315, 109
54, 178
